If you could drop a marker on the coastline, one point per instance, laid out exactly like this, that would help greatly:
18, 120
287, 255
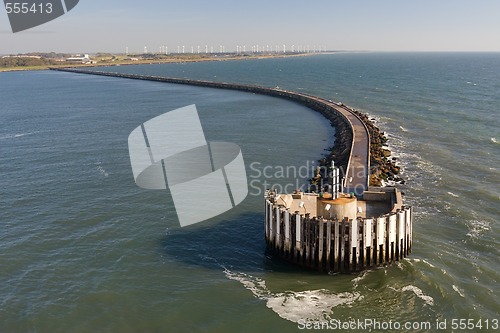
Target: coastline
382, 167
184, 58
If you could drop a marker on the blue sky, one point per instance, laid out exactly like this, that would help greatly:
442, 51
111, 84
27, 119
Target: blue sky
378, 25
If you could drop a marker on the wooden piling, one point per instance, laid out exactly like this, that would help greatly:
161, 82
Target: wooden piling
321, 225
328, 245
401, 223
343, 236
392, 236
338, 245
353, 240
367, 242
287, 232
277, 227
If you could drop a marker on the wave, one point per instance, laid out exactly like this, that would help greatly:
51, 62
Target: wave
459, 291
403, 129
420, 294
494, 140
309, 305
101, 170
356, 280
477, 228
453, 194
428, 263
14, 136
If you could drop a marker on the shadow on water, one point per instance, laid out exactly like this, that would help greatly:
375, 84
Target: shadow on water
236, 244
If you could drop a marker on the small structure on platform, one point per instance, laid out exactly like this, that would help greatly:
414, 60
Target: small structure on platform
339, 232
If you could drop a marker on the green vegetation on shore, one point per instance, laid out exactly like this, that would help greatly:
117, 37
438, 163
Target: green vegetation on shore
41, 61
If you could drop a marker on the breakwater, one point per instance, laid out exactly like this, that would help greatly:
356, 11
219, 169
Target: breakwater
369, 229
358, 148
340, 117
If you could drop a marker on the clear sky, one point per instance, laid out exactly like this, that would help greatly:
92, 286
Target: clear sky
379, 25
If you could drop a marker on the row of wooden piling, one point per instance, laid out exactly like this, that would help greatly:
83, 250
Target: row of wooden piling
338, 245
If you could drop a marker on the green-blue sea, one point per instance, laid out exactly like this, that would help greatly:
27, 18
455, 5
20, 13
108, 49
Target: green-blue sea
83, 249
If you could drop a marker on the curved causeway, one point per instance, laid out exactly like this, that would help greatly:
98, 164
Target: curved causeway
352, 145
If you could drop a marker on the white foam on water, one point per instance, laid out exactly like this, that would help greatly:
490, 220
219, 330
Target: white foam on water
428, 263
101, 170
420, 294
400, 265
477, 227
453, 194
403, 129
494, 140
356, 280
411, 261
14, 136
459, 291
309, 305
374, 119
388, 183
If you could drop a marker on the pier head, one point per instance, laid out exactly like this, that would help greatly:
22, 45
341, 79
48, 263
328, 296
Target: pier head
343, 234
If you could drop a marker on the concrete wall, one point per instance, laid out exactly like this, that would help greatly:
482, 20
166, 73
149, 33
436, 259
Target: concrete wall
346, 245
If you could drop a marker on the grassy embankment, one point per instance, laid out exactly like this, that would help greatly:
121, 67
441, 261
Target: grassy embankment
20, 63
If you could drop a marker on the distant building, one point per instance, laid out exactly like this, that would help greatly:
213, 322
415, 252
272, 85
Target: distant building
85, 59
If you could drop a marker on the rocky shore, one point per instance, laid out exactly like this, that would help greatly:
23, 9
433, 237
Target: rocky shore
383, 167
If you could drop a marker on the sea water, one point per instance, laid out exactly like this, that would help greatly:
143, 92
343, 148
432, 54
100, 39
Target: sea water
83, 249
